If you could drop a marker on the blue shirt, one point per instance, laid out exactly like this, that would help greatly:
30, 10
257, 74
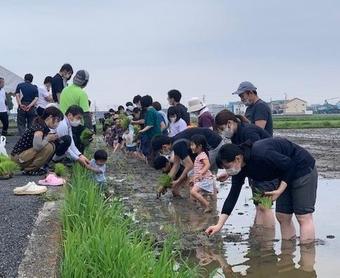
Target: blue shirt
28, 91
99, 177
269, 159
260, 110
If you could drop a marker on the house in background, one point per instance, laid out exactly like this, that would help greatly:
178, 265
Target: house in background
295, 106
237, 107
277, 106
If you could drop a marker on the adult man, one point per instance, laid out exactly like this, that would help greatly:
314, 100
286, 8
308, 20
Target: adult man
45, 96
258, 112
75, 95
59, 81
174, 98
72, 118
3, 108
205, 119
27, 96
180, 146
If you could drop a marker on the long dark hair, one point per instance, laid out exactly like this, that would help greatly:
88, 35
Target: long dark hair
173, 111
225, 115
50, 111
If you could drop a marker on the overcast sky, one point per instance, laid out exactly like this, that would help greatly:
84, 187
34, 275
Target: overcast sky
199, 47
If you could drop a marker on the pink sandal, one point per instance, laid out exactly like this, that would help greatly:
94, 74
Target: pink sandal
52, 180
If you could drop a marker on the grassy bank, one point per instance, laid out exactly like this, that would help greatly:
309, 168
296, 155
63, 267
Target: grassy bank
99, 241
310, 121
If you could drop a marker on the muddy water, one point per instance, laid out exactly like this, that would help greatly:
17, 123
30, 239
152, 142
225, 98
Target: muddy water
240, 249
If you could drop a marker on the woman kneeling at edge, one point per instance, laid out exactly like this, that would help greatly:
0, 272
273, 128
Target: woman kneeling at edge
269, 159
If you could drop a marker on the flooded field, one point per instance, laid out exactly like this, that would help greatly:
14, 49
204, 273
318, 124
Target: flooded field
240, 249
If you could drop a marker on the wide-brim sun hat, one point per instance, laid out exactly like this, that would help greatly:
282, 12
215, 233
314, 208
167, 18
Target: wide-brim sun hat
245, 86
195, 104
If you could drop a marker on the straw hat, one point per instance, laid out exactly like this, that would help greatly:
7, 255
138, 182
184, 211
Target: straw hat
195, 104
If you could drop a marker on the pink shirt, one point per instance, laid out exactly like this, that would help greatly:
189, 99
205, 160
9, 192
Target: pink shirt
198, 165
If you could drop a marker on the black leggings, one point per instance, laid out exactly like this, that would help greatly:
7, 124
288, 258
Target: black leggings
62, 145
4, 120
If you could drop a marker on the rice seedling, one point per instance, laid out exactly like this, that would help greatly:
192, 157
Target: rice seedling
60, 170
124, 121
8, 168
100, 241
164, 182
86, 136
262, 200
4, 158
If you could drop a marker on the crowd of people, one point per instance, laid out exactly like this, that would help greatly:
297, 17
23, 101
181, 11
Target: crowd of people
188, 149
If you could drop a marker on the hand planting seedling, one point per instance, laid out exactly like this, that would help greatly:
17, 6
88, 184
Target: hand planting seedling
164, 183
7, 167
60, 170
86, 137
262, 200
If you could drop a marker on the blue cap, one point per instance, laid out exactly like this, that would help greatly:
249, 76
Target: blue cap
244, 87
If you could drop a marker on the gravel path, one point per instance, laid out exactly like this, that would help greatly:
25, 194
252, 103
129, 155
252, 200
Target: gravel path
17, 217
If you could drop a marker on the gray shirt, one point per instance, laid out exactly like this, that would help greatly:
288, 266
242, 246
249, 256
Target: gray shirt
260, 110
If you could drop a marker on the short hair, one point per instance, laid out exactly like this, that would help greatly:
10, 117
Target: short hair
173, 111
48, 79
135, 110
112, 110
175, 94
160, 162
74, 110
146, 101
160, 140
129, 103
66, 67
137, 99
120, 107
100, 155
1, 78
29, 77
157, 105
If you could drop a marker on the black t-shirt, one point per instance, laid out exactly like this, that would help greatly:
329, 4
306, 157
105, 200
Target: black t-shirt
248, 132
26, 141
181, 142
260, 111
57, 86
29, 92
183, 112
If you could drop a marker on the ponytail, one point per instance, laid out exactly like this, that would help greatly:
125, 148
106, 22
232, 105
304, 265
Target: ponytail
50, 111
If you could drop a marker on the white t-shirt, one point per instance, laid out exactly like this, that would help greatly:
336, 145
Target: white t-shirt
3, 107
43, 94
177, 127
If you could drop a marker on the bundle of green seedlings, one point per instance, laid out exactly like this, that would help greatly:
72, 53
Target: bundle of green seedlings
101, 240
60, 170
86, 136
263, 200
7, 167
164, 182
124, 121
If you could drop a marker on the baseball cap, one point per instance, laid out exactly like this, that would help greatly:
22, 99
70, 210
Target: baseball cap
244, 87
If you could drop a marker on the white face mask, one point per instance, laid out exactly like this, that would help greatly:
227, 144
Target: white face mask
227, 133
233, 171
247, 102
75, 123
173, 120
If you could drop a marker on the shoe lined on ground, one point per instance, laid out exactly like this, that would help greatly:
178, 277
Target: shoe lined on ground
52, 180
39, 172
30, 189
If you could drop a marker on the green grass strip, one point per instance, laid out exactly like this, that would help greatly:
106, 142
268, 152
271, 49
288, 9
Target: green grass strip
100, 241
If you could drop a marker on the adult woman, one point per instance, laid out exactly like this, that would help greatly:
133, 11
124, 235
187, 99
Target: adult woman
268, 159
37, 145
238, 130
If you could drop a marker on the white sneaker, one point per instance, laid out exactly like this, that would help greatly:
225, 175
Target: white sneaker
32, 189
22, 188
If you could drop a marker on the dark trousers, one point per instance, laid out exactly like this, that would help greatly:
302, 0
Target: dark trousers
62, 145
76, 131
4, 120
40, 111
25, 119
